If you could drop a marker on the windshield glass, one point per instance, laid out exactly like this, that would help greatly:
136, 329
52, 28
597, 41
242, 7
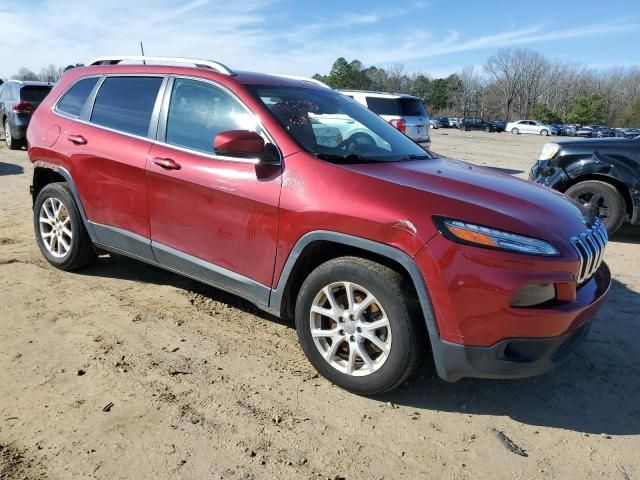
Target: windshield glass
335, 127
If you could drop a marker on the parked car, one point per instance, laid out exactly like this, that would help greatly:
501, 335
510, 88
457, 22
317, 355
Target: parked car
405, 112
18, 100
454, 122
477, 123
565, 130
444, 122
602, 175
627, 132
604, 132
363, 244
499, 126
530, 126
434, 123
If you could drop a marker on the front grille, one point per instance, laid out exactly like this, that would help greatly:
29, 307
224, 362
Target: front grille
590, 246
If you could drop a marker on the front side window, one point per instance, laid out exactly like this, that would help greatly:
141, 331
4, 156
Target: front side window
198, 111
335, 128
73, 101
126, 104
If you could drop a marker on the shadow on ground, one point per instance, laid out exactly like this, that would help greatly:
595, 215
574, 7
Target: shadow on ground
10, 169
509, 171
596, 391
627, 234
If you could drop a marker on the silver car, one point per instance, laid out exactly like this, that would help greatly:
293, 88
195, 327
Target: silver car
405, 112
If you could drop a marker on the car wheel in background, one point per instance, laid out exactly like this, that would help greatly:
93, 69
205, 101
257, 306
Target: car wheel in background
544, 132
359, 326
60, 231
515, 131
487, 129
12, 143
601, 199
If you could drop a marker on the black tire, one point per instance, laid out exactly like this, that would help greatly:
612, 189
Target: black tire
12, 143
390, 289
603, 200
487, 129
81, 252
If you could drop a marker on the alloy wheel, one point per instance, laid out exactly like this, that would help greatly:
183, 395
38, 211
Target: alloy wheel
55, 227
350, 328
7, 133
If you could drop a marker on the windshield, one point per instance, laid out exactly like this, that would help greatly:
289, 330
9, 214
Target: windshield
335, 127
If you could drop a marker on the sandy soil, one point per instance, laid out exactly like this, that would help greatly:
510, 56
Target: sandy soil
202, 385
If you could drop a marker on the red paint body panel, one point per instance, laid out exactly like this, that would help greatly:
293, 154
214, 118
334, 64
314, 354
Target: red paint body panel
220, 211
247, 218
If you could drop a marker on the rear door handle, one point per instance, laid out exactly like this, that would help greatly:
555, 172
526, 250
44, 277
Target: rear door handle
167, 163
77, 139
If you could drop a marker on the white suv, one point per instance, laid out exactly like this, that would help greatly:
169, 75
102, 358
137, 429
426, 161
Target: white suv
405, 112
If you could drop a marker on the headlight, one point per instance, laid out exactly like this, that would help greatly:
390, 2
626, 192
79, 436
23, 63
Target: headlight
549, 151
481, 236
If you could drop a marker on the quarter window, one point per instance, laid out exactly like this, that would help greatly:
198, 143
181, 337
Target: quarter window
126, 103
199, 111
73, 101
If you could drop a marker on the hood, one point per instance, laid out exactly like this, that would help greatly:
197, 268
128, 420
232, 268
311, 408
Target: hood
597, 142
463, 191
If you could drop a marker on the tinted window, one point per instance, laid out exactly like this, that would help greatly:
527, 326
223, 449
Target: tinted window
34, 93
126, 103
73, 101
407, 107
199, 111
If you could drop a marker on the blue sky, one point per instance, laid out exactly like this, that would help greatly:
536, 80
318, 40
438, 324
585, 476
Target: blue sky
303, 37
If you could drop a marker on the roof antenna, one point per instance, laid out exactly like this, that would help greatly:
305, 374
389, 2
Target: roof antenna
142, 50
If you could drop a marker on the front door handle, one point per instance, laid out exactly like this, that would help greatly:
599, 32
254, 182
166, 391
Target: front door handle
77, 139
167, 163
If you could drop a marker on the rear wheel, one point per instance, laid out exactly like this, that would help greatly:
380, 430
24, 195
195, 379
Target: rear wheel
358, 326
603, 200
515, 131
12, 143
487, 129
60, 231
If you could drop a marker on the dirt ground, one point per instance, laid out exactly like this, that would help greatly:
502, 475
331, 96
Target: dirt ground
203, 385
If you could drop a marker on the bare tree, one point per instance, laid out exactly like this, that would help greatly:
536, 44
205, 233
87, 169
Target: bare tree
50, 74
506, 68
26, 75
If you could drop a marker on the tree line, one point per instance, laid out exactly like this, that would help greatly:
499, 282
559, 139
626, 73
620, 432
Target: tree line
513, 84
47, 74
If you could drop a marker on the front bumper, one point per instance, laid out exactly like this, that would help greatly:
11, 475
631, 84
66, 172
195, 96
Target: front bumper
480, 335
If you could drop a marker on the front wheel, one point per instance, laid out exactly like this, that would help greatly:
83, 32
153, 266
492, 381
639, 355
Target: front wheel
515, 131
60, 231
487, 129
544, 132
601, 199
358, 326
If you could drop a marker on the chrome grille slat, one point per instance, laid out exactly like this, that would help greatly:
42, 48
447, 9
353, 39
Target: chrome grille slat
590, 246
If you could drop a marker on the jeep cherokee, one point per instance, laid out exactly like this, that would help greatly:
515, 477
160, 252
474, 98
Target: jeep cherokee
383, 254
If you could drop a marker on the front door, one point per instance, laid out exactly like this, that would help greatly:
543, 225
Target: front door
214, 218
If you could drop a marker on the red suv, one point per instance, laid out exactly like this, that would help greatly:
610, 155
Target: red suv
301, 200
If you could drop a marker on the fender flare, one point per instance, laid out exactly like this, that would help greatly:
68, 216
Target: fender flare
64, 173
392, 253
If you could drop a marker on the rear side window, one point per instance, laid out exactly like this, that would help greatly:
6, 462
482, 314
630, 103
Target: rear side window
73, 101
126, 104
34, 93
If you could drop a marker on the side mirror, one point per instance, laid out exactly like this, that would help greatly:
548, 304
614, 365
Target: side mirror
239, 143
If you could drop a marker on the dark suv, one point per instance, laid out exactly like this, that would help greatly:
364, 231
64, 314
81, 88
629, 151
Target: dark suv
18, 100
477, 123
306, 203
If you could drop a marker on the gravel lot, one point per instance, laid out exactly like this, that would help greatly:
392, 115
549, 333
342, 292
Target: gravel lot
202, 385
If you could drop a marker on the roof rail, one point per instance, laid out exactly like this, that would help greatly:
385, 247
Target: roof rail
303, 79
210, 64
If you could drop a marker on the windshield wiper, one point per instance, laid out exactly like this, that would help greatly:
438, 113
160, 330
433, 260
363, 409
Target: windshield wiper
348, 158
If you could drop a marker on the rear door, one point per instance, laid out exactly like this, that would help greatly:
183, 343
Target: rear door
107, 147
212, 217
